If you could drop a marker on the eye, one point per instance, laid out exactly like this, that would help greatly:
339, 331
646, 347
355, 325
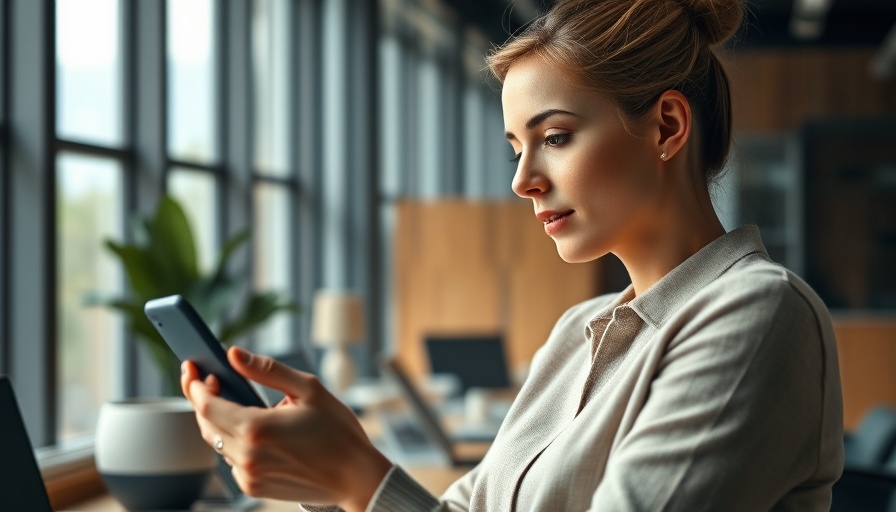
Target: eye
517, 157
557, 139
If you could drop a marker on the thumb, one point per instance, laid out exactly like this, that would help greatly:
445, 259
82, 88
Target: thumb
271, 373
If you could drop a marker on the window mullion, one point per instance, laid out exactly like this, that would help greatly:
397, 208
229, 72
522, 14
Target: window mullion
306, 156
236, 126
32, 327
150, 132
4, 189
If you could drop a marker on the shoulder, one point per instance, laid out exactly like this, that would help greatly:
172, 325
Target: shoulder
758, 286
759, 300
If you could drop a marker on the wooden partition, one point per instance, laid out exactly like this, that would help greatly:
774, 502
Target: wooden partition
867, 350
465, 267
775, 90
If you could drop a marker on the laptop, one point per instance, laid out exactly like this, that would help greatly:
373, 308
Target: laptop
21, 485
477, 361
419, 438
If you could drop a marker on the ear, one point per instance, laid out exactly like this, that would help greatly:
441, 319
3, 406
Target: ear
673, 121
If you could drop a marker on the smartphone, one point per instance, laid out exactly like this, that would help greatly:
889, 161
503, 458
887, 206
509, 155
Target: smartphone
191, 339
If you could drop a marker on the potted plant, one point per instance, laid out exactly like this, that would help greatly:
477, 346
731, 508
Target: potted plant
161, 260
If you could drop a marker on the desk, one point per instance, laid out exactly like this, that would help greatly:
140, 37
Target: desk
434, 479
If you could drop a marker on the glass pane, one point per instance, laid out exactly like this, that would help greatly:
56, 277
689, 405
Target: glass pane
197, 195
272, 239
272, 95
90, 354
192, 95
89, 71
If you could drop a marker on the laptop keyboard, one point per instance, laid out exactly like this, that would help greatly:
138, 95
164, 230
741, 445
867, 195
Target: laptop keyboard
408, 434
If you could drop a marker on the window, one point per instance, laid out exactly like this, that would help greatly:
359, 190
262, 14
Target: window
196, 191
89, 180
194, 119
193, 76
89, 210
256, 114
89, 92
440, 126
275, 183
273, 269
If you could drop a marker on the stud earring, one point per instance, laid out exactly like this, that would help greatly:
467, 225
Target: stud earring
664, 156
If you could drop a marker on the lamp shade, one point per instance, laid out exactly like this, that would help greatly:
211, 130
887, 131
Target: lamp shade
338, 318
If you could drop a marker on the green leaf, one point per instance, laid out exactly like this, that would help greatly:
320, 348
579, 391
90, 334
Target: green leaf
139, 269
215, 297
172, 246
258, 309
230, 246
162, 261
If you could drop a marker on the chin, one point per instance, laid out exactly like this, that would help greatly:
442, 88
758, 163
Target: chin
575, 253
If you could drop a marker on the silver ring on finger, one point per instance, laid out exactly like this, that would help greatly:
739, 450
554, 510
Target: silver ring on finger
219, 444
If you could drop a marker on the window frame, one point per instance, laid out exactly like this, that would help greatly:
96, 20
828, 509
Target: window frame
4, 188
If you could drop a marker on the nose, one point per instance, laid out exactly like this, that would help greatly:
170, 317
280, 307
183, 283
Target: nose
529, 181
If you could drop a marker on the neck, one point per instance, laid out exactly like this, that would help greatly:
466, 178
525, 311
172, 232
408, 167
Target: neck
682, 224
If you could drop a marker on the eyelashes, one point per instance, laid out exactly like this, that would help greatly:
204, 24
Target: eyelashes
551, 141
557, 139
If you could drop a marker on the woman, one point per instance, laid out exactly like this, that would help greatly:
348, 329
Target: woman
711, 383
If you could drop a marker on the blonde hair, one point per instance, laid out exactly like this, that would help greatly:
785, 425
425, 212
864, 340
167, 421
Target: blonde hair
634, 50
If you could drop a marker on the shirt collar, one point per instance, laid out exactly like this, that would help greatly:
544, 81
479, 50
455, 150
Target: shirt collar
695, 273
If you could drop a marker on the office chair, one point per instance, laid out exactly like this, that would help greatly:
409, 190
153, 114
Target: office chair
868, 482
872, 442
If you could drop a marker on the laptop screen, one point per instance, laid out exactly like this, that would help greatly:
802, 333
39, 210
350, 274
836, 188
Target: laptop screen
478, 361
21, 486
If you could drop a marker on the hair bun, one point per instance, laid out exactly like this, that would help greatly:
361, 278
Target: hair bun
718, 20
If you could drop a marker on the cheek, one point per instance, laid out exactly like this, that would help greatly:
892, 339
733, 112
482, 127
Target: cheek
603, 171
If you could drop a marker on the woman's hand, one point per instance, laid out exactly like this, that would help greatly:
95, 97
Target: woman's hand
308, 448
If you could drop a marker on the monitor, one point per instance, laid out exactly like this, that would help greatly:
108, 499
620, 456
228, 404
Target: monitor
478, 361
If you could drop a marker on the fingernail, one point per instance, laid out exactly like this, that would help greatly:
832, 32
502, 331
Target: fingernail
183, 369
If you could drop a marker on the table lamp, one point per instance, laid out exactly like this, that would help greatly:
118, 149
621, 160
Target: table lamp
337, 323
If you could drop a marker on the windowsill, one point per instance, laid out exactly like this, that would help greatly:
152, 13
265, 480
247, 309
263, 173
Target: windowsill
69, 472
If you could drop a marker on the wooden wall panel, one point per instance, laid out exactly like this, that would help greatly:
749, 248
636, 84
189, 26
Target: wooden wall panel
867, 350
540, 285
466, 267
779, 90
444, 275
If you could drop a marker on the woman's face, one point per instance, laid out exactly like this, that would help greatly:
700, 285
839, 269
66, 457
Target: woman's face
595, 186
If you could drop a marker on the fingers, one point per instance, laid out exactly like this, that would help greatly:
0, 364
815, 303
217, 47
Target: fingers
198, 393
222, 415
188, 373
268, 372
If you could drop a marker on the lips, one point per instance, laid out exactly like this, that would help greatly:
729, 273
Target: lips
550, 216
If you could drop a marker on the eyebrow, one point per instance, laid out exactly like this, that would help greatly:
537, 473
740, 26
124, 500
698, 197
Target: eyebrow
539, 118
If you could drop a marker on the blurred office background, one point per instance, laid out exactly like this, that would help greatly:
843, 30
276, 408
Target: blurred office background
362, 143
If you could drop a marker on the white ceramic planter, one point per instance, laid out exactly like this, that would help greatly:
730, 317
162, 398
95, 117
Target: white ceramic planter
150, 454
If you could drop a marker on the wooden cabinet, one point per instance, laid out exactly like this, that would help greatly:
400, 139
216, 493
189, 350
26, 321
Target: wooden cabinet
867, 351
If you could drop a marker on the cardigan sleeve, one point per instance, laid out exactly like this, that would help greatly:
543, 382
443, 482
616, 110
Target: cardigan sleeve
398, 492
